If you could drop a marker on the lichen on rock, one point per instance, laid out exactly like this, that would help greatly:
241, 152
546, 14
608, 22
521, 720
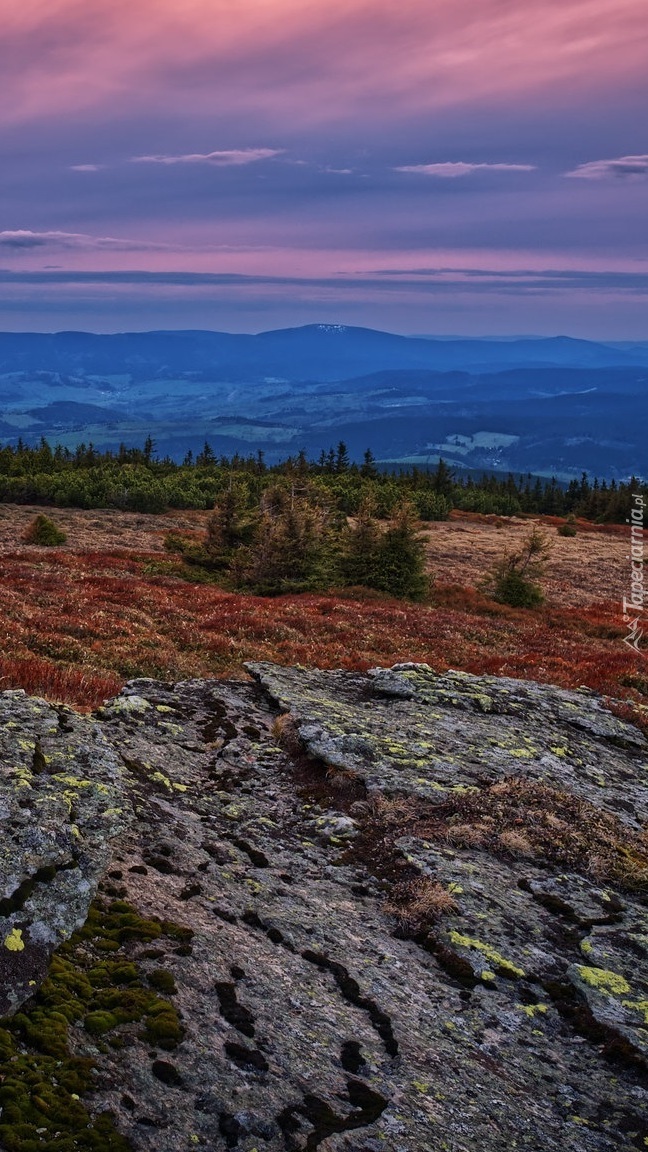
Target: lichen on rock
251, 975
61, 803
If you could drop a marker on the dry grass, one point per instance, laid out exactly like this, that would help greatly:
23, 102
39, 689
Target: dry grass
286, 733
520, 818
513, 819
584, 569
417, 904
100, 529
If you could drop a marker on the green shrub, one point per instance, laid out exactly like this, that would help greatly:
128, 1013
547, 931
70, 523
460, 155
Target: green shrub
569, 527
432, 505
513, 589
514, 578
44, 532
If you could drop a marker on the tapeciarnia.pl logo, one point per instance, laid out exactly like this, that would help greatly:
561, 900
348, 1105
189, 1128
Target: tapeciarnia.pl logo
633, 606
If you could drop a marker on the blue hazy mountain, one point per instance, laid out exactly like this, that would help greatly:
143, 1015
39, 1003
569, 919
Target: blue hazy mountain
554, 405
316, 351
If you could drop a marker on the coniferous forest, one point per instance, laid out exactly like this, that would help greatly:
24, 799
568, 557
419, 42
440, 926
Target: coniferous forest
136, 479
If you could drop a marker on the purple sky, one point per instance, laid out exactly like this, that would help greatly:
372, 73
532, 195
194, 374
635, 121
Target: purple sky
431, 166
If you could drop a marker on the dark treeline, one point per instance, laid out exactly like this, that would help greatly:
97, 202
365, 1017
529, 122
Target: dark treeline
135, 479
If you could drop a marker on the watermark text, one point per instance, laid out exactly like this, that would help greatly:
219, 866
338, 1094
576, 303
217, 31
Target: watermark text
634, 604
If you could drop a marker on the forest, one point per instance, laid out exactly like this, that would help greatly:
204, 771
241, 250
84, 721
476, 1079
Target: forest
137, 480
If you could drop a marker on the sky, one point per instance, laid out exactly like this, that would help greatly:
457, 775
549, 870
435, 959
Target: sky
474, 167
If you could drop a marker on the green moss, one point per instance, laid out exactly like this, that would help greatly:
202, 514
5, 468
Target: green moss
162, 981
90, 981
96, 1023
163, 1026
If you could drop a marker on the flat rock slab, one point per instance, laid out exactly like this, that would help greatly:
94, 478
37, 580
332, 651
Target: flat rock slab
309, 1020
61, 802
412, 731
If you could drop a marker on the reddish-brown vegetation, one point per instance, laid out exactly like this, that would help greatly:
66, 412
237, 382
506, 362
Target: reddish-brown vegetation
78, 621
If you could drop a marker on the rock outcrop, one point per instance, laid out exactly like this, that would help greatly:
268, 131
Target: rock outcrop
396, 911
62, 799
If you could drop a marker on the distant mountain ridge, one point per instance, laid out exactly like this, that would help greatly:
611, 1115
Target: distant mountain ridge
316, 351
549, 405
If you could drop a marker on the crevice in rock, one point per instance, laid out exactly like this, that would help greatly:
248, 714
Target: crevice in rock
259, 859
39, 763
559, 907
253, 920
16, 902
167, 1073
248, 1059
219, 724
230, 1129
612, 1045
64, 715
351, 1056
236, 1014
350, 989
367, 1104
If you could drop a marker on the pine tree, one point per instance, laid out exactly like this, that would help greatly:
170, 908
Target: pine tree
400, 562
514, 578
231, 526
361, 547
342, 458
293, 548
443, 479
368, 467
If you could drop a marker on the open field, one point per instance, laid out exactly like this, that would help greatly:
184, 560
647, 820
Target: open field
79, 620
585, 569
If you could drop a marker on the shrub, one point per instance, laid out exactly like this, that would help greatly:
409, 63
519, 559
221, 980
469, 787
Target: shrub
44, 532
569, 527
400, 563
391, 561
514, 578
432, 505
513, 589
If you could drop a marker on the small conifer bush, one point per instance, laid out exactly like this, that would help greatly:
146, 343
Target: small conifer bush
569, 527
44, 532
514, 577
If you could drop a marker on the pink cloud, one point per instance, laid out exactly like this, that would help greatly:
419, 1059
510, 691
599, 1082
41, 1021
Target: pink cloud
623, 168
231, 158
451, 170
310, 62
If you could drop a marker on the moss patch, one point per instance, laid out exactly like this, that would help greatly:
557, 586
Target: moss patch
92, 983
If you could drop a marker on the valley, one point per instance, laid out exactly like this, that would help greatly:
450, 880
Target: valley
550, 407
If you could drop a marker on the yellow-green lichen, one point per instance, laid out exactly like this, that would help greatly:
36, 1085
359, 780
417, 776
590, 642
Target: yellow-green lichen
604, 980
504, 967
14, 941
532, 1010
160, 778
640, 1006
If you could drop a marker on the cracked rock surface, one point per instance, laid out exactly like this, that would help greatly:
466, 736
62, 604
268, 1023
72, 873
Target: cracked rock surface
310, 1018
61, 802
